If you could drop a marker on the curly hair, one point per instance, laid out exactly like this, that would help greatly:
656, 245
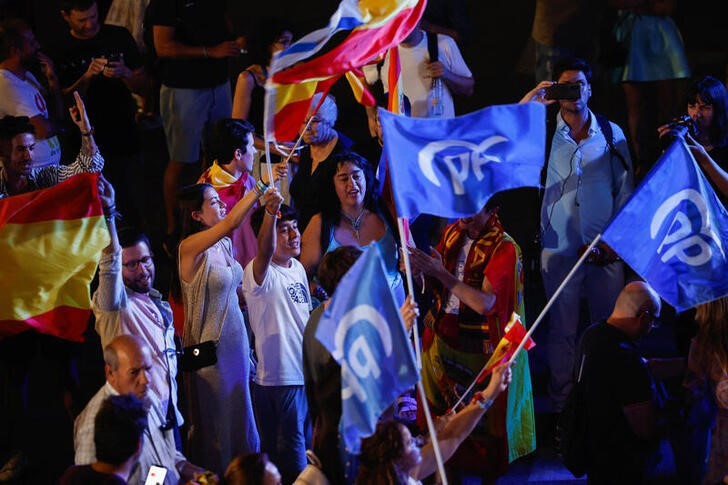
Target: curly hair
380, 454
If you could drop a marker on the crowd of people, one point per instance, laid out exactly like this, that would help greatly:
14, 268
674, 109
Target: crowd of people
222, 379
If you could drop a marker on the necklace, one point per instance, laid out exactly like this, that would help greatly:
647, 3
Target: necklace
355, 223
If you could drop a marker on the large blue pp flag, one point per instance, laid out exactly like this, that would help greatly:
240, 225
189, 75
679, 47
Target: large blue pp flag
673, 232
364, 332
451, 167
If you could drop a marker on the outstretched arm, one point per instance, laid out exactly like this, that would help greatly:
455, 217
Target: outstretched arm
462, 424
192, 247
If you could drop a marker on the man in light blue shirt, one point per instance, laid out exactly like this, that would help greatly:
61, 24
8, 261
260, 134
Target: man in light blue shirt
586, 184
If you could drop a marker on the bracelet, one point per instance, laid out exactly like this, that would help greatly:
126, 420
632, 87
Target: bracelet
257, 191
89, 132
261, 188
204, 51
110, 213
482, 401
276, 214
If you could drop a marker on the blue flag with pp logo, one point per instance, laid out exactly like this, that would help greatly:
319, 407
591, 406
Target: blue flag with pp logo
673, 232
451, 167
363, 330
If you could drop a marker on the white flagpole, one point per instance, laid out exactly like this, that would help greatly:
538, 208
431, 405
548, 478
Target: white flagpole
410, 288
266, 128
433, 433
540, 317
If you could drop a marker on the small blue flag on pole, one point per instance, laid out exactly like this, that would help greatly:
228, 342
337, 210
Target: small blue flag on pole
673, 232
451, 167
364, 332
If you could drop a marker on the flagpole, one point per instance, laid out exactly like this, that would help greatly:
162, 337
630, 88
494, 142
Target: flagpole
418, 355
410, 288
266, 128
545, 310
433, 433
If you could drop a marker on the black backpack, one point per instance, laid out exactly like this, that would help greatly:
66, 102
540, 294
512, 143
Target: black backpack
572, 428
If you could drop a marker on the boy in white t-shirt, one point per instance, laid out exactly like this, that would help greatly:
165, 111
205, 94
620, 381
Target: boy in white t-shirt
276, 290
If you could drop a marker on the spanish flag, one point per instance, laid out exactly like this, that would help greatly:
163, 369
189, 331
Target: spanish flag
359, 31
50, 245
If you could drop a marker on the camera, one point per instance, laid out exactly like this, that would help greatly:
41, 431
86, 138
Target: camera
677, 128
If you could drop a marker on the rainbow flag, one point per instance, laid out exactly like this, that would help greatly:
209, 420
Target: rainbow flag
359, 31
50, 245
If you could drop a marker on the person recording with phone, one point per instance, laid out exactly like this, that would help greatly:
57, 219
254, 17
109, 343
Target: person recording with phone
586, 179
705, 130
102, 62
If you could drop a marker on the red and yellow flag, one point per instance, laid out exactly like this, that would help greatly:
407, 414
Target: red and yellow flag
359, 31
50, 245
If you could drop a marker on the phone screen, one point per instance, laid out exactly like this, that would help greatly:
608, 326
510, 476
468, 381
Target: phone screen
156, 475
563, 91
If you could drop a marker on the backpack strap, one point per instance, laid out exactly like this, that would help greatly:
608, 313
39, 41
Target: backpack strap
606, 128
432, 48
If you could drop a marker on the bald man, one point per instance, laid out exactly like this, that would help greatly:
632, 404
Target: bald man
128, 361
619, 390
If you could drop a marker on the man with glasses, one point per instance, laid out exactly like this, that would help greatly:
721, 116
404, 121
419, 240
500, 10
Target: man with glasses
588, 176
125, 303
619, 390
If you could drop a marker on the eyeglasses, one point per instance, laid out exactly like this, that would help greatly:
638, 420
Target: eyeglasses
654, 319
134, 263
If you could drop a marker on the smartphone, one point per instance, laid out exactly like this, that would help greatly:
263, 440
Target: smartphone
563, 91
156, 475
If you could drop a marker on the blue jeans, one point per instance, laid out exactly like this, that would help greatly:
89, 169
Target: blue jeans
284, 426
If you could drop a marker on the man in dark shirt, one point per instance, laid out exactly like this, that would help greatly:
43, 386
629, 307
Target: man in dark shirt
102, 62
619, 390
192, 42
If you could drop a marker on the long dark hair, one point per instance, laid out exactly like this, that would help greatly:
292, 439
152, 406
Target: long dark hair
331, 206
189, 200
712, 91
380, 454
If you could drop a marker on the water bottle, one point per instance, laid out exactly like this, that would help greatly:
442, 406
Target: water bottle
434, 98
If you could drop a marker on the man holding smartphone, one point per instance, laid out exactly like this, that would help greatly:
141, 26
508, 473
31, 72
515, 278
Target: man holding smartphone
588, 176
102, 62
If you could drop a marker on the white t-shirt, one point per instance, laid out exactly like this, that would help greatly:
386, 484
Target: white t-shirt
453, 302
413, 68
278, 310
20, 97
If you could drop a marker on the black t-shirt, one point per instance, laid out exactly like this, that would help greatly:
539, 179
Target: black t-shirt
109, 103
306, 187
85, 475
614, 375
196, 23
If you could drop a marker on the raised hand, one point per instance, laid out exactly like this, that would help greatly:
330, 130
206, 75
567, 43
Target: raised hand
409, 311
106, 192
78, 114
538, 94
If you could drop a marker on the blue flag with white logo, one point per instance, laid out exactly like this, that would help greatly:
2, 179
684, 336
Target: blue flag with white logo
673, 232
451, 167
363, 330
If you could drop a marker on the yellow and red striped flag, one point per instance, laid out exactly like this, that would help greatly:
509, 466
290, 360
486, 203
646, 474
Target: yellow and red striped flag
50, 245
